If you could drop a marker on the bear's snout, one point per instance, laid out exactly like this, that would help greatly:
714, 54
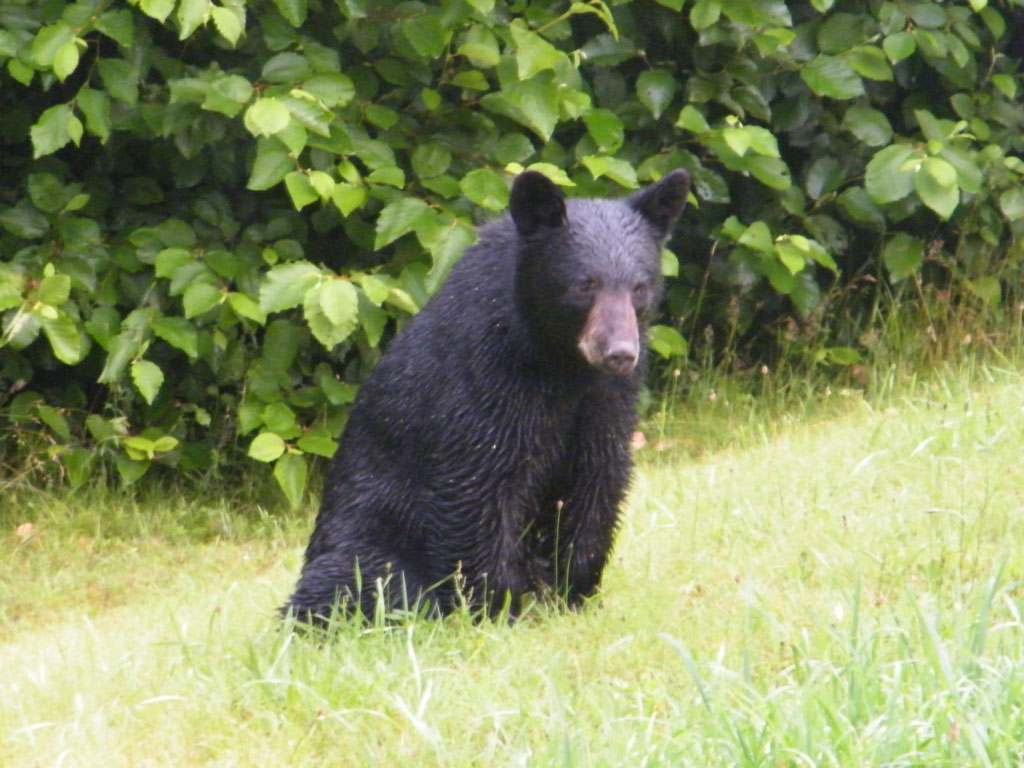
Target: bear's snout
610, 340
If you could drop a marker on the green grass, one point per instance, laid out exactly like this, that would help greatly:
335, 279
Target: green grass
802, 579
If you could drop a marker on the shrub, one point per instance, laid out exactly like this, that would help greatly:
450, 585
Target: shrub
214, 213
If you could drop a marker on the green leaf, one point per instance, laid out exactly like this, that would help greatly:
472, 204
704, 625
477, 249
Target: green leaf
382, 117
762, 140
95, 105
322, 183
606, 128
692, 120
446, 245
285, 286
64, 336
1006, 84
842, 31
46, 191
294, 11
66, 60
339, 302
148, 379
306, 109
832, 76
987, 289
770, 171
170, 260
246, 307
667, 341
737, 139
842, 355
390, 175
53, 290
157, 9
266, 446
805, 293
126, 344
287, 68
290, 472
55, 420
758, 237
427, 34
117, 25
20, 71
655, 88
300, 189
266, 117
331, 310
619, 171
969, 176
332, 88
823, 177
318, 441
927, 14
191, 15
994, 21
869, 125
533, 103
704, 14
375, 289
228, 95
903, 255
485, 188
792, 257
899, 46
534, 53
943, 173
886, 179
53, 130
935, 183
869, 61
1011, 203
430, 159
279, 418
481, 47
21, 328
179, 333
10, 296
228, 23
24, 221
48, 43
103, 324
199, 298
397, 218
337, 392
669, 263
348, 197
121, 80
269, 168
129, 469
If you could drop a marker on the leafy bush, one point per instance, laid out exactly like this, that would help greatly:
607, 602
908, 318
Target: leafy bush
214, 213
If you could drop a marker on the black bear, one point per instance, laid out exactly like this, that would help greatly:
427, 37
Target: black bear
487, 454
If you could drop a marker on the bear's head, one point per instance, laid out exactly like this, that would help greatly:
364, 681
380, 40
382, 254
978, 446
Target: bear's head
588, 276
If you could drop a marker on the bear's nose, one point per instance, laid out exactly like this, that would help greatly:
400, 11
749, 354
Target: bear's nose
620, 358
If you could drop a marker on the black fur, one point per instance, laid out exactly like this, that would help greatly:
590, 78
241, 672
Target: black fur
485, 457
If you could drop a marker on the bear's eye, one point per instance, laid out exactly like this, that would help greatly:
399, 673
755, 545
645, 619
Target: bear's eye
585, 287
640, 291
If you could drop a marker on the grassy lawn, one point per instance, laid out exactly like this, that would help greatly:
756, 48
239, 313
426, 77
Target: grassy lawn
832, 585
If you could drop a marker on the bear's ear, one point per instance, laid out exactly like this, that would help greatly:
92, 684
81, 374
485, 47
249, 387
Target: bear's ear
536, 202
662, 202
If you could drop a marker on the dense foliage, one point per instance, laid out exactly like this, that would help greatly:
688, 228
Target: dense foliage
214, 213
